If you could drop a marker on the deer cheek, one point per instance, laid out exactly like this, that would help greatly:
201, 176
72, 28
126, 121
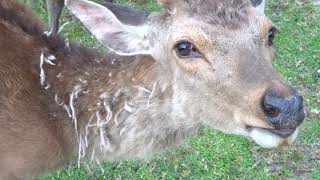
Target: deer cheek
189, 64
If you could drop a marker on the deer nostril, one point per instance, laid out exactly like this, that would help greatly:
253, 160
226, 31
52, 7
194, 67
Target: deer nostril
271, 111
272, 105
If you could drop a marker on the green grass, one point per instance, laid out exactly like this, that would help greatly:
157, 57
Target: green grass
211, 154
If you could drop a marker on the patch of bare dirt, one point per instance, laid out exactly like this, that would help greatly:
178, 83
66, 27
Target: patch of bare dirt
300, 160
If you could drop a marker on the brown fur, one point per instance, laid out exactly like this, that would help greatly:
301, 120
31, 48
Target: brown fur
28, 112
106, 107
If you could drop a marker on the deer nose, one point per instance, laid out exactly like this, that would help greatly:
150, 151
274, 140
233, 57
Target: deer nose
283, 113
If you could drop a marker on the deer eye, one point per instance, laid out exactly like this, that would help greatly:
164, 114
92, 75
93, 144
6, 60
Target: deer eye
271, 34
185, 49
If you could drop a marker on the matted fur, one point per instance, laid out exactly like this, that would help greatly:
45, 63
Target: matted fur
62, 117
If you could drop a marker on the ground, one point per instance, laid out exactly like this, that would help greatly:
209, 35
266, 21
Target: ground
211, 154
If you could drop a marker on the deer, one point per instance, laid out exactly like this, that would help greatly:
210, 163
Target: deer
194, 63
125, 14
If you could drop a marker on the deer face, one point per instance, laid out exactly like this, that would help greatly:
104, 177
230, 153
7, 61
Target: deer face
218, 55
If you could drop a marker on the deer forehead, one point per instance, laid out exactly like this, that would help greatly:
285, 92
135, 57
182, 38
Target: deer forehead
229, 13
204, 34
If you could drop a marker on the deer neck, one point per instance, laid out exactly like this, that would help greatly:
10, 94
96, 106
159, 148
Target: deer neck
108, 99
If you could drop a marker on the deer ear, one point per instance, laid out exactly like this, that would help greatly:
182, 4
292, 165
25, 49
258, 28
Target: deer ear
259, 5
104, 25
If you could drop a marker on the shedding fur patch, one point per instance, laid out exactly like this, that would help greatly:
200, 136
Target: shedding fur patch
67, 109
74, 95
58, 101
48, 60
42, 74
81, 150
47, 33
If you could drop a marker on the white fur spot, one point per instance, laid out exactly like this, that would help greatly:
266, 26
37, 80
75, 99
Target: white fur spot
67, 110
49, 60
74, 94
42, 74
104, 95
56, 98
59, 75
47, 87
67, 43
47, 33
81, 150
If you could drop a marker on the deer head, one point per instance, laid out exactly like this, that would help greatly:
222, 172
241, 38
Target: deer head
217, 55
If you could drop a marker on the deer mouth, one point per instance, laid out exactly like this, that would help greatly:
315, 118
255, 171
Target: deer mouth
272, 138
283, 133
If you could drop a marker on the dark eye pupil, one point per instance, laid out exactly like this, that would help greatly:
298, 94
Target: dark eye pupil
271, 35
184, 49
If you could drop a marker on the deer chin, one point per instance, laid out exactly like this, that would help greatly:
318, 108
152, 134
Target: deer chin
269, 139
